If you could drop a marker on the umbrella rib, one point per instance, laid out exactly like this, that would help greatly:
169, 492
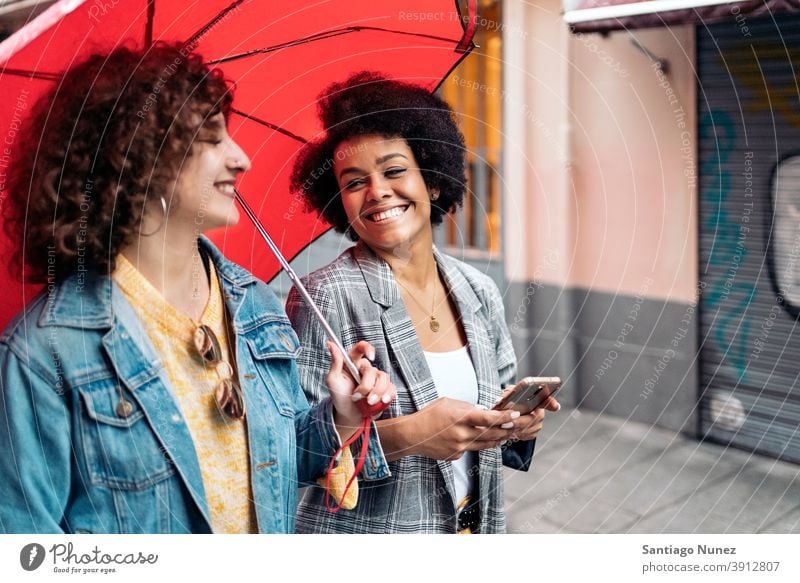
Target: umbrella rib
193, 40
33, 74
323, 36
148, 29
469, 30
269, 125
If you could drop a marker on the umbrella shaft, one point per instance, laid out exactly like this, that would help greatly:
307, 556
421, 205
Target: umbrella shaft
351, 367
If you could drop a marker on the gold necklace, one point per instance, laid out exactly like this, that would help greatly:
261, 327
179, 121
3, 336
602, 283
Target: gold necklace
433, 323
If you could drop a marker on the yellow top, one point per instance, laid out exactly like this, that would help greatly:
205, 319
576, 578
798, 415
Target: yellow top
220, 442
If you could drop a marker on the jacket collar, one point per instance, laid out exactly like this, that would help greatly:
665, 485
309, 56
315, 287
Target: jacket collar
84, 299
235, 274
383, 288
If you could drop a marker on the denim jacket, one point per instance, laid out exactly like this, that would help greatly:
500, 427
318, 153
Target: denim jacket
71, 463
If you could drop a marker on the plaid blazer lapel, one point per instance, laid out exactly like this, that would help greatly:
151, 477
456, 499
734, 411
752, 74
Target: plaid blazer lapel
401, 339
481, 349
468, 306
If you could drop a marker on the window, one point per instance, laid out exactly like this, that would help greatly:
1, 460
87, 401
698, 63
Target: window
474, 91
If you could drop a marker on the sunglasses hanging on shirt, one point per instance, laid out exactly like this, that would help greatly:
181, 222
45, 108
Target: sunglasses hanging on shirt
228, 394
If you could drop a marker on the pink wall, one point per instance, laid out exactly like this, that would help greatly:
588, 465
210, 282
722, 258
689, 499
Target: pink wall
634, 145
600, 160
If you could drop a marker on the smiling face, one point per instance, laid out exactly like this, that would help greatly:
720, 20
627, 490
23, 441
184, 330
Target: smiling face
204, 186
383, 192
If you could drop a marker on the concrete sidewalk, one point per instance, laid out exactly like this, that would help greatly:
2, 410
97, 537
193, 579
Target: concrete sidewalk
597, 473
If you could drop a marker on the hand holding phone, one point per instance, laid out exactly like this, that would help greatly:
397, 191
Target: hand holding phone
529, 394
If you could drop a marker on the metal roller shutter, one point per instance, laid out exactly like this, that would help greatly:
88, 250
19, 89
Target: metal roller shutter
749, 186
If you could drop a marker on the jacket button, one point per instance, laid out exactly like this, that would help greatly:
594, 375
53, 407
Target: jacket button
124, 336
124, 408
176, 418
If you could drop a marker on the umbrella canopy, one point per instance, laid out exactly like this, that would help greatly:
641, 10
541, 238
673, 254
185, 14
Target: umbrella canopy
281, 55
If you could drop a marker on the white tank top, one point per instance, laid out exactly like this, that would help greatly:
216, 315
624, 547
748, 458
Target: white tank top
454, 377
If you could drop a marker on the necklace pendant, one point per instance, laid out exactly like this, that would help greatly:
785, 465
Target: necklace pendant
434, 324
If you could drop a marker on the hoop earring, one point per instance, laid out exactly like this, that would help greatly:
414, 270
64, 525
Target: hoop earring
163, 219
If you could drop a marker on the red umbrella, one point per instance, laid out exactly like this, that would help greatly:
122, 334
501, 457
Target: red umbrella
281, 56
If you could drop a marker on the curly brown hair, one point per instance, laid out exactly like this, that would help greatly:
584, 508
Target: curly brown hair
113, 132
369, 103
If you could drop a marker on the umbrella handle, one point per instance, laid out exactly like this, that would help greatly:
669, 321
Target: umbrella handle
348, 362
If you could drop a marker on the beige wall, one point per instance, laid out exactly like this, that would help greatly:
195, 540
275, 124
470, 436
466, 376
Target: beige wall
601, 185
537, 227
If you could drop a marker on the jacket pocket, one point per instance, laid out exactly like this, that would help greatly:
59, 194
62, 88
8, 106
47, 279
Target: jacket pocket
274, 347
120, 447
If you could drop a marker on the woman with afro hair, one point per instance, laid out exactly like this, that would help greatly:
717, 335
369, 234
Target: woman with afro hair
389, 167
152, 386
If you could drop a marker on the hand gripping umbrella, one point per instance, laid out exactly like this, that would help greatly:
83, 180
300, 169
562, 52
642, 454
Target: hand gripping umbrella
280, 55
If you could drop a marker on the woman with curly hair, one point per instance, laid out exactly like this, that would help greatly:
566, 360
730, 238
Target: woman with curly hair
152, 386
390, 166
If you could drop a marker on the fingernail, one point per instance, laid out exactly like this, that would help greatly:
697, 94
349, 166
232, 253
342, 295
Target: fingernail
373, 398
484, 407
514, 414
387, 398
371, 355
558, 406
357, 396
508, 425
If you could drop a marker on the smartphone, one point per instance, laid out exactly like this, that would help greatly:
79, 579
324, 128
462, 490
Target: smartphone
529, 393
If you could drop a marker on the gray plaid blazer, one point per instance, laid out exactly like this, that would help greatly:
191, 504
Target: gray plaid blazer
358, 295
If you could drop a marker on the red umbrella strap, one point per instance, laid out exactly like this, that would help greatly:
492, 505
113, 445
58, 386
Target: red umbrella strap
368, 411
363, 431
